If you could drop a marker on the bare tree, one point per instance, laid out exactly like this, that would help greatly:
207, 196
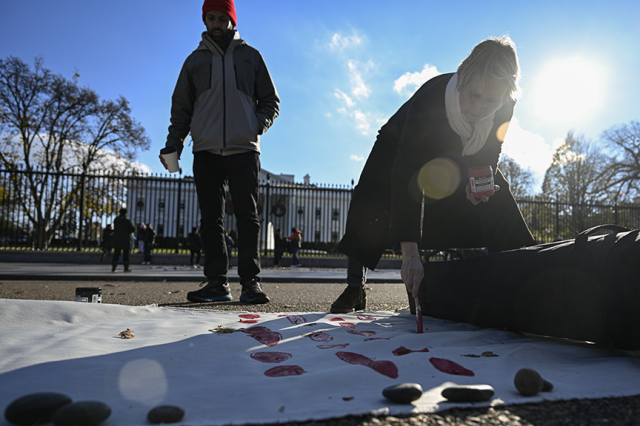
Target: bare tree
51, 124
520, 180
623, 171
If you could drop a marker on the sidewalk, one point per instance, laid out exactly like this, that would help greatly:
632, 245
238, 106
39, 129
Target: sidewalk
12, 271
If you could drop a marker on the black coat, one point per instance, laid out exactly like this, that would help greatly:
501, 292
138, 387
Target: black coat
123, 230
386, 207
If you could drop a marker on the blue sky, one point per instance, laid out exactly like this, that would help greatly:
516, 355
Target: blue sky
343, 67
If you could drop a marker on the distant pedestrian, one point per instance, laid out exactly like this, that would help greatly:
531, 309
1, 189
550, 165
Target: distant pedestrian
140, 237
229, 242
149, 242
296, 242
279, 245
107, 243
195, 246
123, 240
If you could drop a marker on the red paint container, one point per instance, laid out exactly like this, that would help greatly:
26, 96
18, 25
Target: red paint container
481, 181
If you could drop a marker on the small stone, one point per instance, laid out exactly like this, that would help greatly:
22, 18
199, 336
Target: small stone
546, 385
468, 393
85, 413
528, 382
403, 393
35, 408
165, 414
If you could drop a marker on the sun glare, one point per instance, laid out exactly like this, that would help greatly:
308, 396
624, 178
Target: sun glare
568, 90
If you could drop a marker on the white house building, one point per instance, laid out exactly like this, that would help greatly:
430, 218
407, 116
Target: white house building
170, 205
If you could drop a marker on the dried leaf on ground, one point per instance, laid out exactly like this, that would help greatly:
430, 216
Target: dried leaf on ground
220, 329
127, 334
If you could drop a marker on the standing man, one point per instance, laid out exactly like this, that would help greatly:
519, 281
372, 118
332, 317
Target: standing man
226, 99
123, 240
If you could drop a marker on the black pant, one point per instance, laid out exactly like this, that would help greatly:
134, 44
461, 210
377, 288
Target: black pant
116, 256
356, 273
211, 173
197, 254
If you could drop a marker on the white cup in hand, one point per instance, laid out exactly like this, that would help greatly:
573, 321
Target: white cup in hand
170, 157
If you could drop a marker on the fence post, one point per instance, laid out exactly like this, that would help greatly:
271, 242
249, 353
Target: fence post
178, 205
615, 213
557, 218
266, 212
81, 213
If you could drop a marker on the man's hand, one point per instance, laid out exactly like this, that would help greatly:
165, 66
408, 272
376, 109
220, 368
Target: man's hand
412, 270
475, 201
163, 162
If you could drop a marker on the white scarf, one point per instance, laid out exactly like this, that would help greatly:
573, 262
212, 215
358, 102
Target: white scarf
474, 135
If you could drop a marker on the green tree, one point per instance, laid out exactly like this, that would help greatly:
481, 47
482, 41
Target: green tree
51, 124
575, 173
575, 181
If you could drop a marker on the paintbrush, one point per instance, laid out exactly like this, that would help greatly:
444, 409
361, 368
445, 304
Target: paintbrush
418, 315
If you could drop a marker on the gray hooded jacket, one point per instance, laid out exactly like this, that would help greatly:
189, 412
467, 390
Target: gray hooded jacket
226, 100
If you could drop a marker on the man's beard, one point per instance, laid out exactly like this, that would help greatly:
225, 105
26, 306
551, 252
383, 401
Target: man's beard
220, 35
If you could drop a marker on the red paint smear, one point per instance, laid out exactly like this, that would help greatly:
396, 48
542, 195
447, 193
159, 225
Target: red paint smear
249, 321
386, 368
337, 345
284, 370
336, 319
264, 335
320, 337
404, 351
271, 357
361, 318
283, 315
376, 338
249, 316
450, 367
347, 324
362, 332
297, 319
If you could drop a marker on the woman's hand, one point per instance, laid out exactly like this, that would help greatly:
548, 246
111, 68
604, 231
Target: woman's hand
483, 198
412, 270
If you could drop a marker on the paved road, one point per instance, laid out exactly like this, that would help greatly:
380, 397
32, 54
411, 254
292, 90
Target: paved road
102, 272
290, 289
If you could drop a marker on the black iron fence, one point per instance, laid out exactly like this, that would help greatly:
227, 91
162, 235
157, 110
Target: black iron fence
51, 211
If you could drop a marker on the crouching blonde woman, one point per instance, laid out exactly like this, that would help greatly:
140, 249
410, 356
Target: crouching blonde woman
414, 190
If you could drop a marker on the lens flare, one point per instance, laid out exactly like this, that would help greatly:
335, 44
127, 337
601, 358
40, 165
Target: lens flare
439, 178
144, 381
501, 133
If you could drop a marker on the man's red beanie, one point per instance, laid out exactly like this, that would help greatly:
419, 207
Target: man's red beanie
226, 6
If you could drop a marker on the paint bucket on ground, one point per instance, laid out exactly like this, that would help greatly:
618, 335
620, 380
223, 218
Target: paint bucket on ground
89, 294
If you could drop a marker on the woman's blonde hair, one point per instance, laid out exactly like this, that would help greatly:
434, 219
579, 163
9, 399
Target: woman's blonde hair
496, 58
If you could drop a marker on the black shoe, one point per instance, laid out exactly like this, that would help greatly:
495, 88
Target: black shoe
252, 293
352, 298
213, 291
